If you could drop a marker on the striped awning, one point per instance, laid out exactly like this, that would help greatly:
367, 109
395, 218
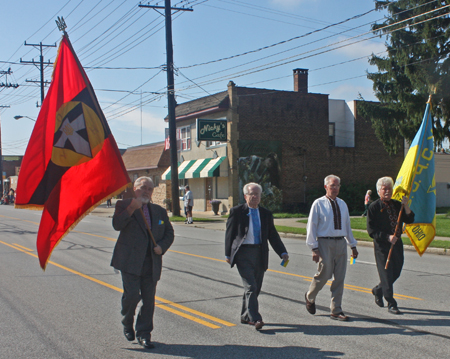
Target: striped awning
205, 167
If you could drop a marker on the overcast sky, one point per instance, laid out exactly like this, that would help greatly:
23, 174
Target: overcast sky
255, 43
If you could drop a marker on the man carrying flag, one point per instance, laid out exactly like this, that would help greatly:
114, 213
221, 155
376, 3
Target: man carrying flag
71, 150
415, 183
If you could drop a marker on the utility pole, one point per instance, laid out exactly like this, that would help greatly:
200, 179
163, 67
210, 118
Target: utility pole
6, 84
171, 101
40, 66
1, 155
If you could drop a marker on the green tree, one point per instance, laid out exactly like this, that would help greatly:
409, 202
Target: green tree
416, 65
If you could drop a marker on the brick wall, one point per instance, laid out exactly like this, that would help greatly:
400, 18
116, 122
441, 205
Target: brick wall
300, 121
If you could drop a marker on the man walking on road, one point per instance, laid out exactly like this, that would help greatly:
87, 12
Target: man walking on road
249, 229
139, 257
328, 232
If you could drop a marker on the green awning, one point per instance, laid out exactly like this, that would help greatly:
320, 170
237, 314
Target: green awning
212, 169
204, 167
182, 169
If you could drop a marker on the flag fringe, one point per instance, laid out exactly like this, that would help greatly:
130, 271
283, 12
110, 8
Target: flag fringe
115, 193
33, 207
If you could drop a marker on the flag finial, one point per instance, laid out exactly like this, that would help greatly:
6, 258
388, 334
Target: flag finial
61, 24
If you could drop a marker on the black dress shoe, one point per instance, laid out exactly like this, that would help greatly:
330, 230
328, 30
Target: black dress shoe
378, 299
310, 307
394, 310
146, 343
243, 321
129, 333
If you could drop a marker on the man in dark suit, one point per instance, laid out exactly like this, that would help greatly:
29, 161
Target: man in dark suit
249, 229
138, 258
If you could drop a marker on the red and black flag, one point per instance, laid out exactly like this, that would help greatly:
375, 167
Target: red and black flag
72, 162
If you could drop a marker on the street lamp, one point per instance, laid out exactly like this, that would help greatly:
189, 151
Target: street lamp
19, 117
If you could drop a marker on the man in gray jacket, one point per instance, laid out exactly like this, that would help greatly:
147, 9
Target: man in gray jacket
138, 258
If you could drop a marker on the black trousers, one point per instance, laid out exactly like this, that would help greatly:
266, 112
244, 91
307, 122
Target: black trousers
249, 264
135, 288
390, 275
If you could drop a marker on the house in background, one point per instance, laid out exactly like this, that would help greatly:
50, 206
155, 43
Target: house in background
10, 167
288, 141
149, 160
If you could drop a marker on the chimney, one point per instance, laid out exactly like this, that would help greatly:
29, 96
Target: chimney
301, 80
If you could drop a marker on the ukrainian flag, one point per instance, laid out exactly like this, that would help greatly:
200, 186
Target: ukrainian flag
416, 180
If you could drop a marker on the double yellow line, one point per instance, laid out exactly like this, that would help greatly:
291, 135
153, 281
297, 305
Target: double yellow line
162, 303
308, 279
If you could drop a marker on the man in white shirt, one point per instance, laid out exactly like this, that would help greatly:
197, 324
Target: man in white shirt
328, 234
249, 230
188, 203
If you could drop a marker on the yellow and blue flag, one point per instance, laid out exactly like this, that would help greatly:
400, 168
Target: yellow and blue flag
416, 180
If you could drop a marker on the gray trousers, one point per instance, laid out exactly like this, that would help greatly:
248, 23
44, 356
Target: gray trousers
249, 264
333, 261
135, 288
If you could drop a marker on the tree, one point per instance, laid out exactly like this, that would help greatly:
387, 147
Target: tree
416, 65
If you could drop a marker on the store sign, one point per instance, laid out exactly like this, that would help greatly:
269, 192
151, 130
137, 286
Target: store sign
211, 130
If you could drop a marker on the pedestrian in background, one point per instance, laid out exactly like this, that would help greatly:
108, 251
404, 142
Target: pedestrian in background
367, 202
189, 204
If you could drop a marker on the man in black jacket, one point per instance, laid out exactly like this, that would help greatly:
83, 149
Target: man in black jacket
382, 219
138, 258
249, 229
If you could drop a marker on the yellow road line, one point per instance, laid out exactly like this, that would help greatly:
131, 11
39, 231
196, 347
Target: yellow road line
187, 316
193, 311
348, 286
19, 219
23, 247
162, 306
309, 279
198, 256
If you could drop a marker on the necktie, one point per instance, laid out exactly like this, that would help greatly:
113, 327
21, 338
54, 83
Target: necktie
256, 225
147, 215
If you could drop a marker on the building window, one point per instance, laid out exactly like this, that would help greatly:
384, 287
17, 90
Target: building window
213, 143
156, 180
331, 134
184, 138
135, 177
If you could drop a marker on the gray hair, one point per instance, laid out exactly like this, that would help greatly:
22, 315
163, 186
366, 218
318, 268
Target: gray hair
245, 189
329, 177
383, 181
369, 192
139, 181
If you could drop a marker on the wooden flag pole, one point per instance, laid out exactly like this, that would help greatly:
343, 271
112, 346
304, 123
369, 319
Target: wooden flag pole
397, 228
148, 227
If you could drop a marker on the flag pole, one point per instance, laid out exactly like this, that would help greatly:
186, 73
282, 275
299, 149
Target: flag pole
397, 228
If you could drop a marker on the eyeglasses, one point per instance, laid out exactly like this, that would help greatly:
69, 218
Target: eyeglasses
334, 186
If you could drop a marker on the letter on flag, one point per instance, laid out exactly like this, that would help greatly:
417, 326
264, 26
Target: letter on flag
416, 180
72, 162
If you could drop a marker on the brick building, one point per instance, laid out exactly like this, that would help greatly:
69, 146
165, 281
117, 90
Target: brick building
151, 161
286, 140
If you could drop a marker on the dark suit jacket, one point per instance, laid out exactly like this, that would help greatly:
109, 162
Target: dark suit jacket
131, 246
237, 228
379, 227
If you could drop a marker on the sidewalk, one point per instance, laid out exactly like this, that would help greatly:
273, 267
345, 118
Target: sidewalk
219, 224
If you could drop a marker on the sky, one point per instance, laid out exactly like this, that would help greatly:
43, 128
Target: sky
254, 43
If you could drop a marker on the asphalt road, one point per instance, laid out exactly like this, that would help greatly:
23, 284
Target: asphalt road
72, 309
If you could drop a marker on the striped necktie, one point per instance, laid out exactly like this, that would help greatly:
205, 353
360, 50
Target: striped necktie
147, 215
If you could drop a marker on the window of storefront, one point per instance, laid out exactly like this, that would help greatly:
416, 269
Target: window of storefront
184, 138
